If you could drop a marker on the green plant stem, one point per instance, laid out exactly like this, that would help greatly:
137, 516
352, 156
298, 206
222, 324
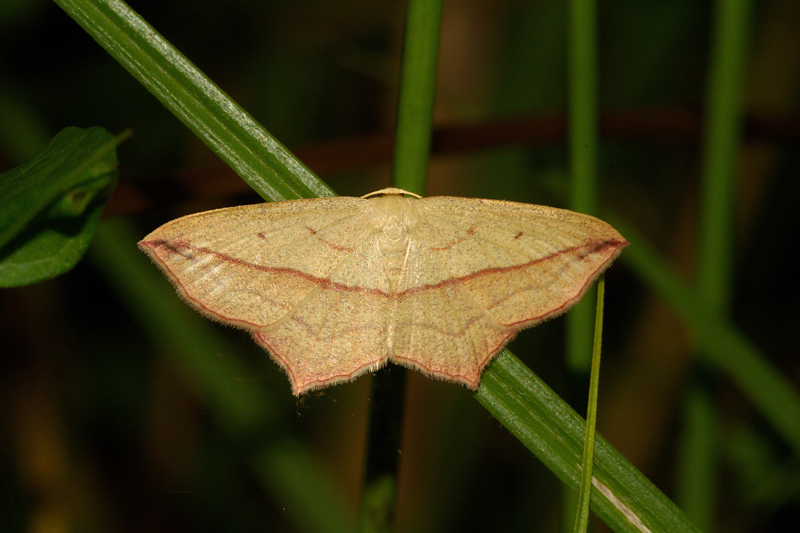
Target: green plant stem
698, 453
417, 94
585, 492
412, 150
724, 129
582, 65
240, 141
697, 473
622, 497
385, 432
582, 76
582, 79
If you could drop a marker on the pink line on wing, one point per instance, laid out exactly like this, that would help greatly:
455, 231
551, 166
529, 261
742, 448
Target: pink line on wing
180, 247
591, 247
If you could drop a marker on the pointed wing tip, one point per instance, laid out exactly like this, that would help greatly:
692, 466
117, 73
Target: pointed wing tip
150, 248
145, 246
149, 245
617, 245
161, 249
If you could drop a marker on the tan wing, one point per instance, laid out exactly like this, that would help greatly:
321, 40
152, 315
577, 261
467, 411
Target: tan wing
441, 329
249, 265
340, 329
316, 281
284, 272
486, 269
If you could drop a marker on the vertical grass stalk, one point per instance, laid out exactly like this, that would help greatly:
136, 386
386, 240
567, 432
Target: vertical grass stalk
409, 172
582, 61
585, 492
582, 79
722, 144
417, 94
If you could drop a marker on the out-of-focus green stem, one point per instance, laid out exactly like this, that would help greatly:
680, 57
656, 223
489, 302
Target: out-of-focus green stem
724, 126
417, 94
582, 77
412, 150
240, 141
697, 474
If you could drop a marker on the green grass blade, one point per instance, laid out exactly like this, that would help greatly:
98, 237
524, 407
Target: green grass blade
697, 473
50, 206
698, 453
417, 94
725, 109
585, 492
583, 143
412, 151
624, 498
207, 360
221, 123
583, 106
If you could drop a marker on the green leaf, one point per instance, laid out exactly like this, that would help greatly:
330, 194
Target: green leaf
50, 206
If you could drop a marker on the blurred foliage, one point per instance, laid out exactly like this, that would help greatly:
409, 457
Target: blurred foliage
107, 425
50, 206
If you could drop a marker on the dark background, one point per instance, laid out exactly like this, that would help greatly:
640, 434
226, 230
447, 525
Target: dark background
104, 429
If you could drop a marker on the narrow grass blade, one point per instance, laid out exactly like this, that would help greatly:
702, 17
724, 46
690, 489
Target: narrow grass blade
697, 469
584, 494
583, 146
212, 115
412, 151
622, 497
723, 141
417, 94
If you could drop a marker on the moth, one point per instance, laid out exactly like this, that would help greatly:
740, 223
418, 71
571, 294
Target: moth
336, 287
